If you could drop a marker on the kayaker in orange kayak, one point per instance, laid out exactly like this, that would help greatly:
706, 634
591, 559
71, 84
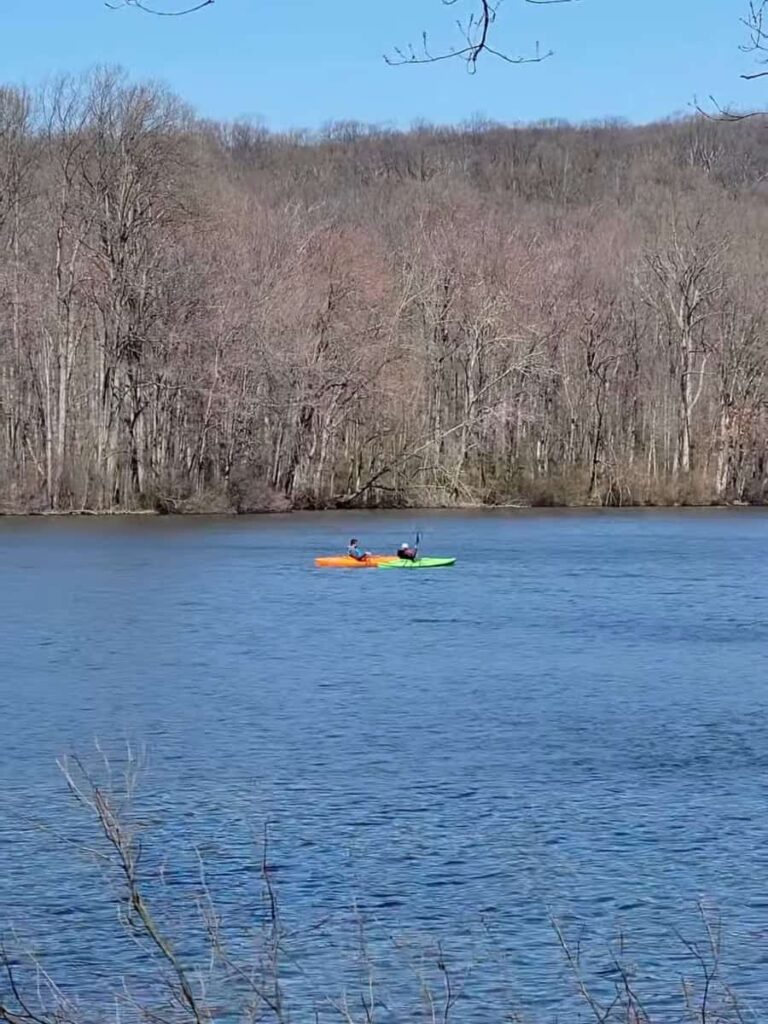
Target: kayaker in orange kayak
406, 552
354, 551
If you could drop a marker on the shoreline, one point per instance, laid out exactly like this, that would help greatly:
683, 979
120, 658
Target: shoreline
415, 509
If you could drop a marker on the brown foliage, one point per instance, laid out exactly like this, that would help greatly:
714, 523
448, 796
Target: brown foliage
197, 316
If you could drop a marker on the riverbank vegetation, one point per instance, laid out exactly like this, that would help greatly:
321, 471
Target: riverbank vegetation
179, 950
197, 316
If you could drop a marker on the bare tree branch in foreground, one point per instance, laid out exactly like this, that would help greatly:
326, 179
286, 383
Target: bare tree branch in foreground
476, 32
195, 973
148, 9
757, 25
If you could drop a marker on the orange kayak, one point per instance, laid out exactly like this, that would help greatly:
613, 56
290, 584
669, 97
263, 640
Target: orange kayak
345, 562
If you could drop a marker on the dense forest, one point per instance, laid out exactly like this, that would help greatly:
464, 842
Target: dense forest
203, 316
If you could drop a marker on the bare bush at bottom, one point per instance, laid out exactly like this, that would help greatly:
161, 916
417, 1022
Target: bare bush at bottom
221, 982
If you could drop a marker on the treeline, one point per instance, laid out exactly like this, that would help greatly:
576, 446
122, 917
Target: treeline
202, 316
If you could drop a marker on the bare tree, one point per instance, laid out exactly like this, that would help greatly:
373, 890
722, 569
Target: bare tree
198, 316
686, 272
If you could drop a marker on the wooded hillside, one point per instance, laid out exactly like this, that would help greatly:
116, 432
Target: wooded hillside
201, 316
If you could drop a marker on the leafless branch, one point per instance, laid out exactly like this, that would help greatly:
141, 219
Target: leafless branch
755, 22
114, 822
139, 5
476, 31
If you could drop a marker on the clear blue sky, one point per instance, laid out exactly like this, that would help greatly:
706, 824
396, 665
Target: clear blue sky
301, 63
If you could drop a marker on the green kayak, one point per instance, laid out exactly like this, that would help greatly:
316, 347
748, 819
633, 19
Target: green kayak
420, 563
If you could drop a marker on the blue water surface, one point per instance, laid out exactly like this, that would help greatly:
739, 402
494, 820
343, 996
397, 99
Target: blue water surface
570, 725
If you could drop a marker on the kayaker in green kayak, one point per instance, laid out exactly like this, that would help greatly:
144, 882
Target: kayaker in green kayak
407, 553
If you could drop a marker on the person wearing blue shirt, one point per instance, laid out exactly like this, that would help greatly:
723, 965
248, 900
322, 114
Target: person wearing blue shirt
354, 551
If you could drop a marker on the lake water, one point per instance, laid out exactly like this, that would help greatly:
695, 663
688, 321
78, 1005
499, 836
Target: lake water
571, 722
